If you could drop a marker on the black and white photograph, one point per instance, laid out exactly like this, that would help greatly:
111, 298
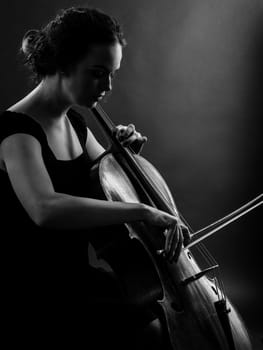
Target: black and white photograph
131, 174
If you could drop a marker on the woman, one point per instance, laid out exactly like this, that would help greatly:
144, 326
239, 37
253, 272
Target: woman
45, 157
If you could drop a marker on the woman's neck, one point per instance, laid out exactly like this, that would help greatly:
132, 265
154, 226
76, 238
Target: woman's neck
46, 102
48, 97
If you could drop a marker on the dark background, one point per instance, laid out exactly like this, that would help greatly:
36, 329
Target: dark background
191, 80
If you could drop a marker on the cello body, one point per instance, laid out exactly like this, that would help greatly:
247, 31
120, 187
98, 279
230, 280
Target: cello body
188, 300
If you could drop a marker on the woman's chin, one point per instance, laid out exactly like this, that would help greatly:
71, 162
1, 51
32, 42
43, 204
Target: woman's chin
94, 104
88, 104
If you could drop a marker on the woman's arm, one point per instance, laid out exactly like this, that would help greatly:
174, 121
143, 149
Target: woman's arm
31, 182
47, 208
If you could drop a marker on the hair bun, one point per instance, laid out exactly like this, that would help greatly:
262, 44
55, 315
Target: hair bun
29, 40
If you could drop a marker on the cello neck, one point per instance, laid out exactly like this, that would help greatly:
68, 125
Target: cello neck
126, 158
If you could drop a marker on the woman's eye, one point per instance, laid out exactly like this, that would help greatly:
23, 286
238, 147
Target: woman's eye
98, 74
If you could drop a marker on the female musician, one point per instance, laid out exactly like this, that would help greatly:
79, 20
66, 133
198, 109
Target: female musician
45, 158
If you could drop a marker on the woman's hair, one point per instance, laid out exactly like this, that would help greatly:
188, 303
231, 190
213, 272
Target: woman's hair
64, 41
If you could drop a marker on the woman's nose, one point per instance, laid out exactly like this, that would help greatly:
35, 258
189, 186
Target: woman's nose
107, 83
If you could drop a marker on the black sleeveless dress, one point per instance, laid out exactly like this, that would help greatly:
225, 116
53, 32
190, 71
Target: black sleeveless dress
52, 296
35, 248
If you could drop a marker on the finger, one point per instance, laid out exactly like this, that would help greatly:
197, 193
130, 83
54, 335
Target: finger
186, 235
128, 131
175, 247
136, 138
170, 232
129, 140
119, 127
119, 131
178, 247
171, 244
126, 135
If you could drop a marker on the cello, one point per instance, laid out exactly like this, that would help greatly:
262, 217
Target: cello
193, 305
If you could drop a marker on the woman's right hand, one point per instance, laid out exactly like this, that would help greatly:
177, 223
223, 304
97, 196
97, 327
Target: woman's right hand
176, 233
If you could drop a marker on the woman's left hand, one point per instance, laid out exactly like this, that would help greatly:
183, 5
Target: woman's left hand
128, 136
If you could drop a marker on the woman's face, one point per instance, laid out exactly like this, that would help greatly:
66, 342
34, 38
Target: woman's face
91, 78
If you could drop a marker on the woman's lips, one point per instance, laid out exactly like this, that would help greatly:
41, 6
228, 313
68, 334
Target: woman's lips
99, 97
